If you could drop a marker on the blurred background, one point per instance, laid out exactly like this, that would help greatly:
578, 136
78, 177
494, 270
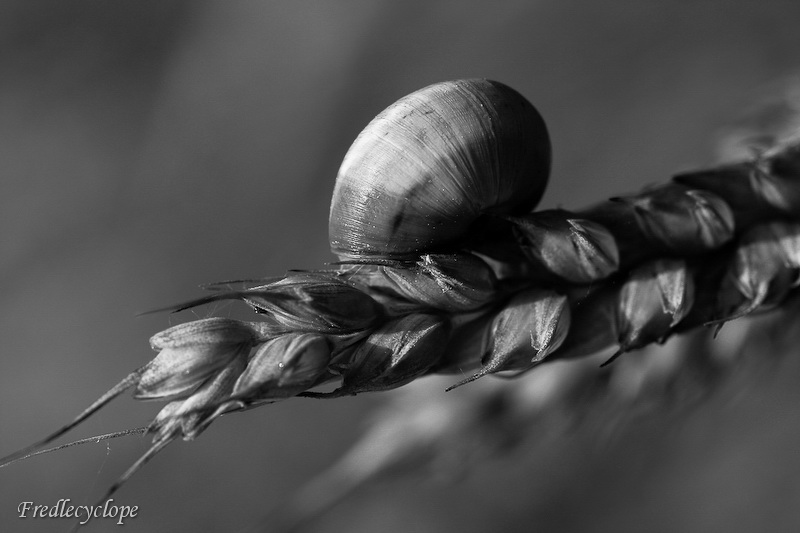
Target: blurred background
147, 147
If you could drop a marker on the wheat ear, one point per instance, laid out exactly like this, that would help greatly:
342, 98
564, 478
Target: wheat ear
707, 247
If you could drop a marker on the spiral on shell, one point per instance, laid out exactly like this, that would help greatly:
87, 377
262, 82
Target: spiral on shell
426, 168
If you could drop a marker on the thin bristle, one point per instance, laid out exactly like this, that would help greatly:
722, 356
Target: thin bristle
112, 393
135, 467
95, 439
225, 285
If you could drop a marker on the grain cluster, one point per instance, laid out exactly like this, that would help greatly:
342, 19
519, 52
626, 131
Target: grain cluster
707, 247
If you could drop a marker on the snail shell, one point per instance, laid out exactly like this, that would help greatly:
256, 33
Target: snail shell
421, 173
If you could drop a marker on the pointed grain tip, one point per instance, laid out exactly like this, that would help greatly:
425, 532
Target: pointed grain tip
473, 377
612, 358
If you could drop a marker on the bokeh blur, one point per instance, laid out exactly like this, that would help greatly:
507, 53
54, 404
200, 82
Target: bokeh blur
150, 146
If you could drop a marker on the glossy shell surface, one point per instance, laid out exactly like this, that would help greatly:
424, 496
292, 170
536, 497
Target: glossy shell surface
429, 165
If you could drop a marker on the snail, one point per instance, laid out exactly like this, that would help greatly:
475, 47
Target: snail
431, 164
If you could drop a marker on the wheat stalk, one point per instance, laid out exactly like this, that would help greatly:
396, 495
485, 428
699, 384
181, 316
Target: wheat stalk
707, 247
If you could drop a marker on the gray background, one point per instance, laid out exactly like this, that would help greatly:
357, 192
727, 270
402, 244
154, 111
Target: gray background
147, 147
